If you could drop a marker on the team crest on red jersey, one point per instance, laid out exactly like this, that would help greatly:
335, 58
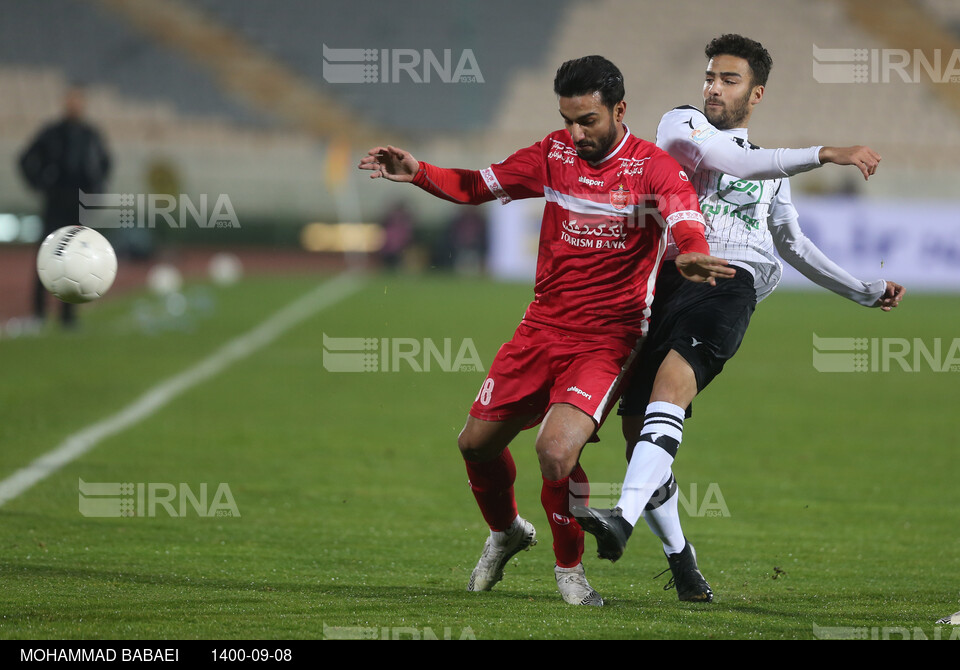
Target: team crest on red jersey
620, 197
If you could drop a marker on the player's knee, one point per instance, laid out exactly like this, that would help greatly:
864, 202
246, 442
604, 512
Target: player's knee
676, 382
474, 448
468, 447
556, 456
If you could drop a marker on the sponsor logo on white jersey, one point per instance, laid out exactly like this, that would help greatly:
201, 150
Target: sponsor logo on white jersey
702, 133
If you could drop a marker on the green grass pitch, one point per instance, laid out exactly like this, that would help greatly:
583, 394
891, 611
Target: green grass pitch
817, 501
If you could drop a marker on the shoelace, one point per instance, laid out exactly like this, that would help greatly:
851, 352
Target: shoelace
670, 582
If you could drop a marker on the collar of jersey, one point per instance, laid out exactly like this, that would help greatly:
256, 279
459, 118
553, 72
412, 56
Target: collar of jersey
626, 135
737, 132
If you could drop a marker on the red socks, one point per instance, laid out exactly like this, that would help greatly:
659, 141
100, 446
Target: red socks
567, 534
492, 486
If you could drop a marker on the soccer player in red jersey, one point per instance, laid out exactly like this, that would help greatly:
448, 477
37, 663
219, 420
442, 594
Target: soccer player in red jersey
601, 245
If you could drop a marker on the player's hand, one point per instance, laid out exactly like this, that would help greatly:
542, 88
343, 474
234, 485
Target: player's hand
891, 297
866, 159
390, 163
703, 268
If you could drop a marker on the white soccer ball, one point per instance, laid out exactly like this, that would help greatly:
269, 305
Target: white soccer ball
76, 264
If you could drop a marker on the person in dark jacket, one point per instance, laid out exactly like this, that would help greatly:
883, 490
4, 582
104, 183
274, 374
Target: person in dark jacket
65, 157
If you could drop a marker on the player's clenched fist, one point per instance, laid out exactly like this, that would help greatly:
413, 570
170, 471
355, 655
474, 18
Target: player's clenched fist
390, 163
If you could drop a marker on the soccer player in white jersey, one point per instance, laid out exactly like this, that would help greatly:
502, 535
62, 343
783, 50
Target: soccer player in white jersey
694, 329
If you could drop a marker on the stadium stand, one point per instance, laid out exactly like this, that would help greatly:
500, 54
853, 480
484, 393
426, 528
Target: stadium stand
232, 97
661, 54
297, 34
87, 42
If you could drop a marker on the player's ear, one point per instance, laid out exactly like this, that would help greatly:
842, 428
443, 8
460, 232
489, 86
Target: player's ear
619, 110
756, 95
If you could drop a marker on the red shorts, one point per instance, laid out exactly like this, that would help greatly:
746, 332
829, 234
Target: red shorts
541, 366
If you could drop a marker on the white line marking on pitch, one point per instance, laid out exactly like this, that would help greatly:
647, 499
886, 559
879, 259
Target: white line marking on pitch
84, 440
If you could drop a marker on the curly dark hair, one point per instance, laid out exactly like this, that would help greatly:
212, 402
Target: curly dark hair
588, 75
751, 51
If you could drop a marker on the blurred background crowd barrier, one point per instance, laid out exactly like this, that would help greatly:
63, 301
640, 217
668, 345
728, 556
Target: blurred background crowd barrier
237, 124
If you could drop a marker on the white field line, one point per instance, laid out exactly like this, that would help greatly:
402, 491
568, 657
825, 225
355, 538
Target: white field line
82, 441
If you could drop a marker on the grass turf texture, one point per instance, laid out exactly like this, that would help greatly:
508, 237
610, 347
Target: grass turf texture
831, 502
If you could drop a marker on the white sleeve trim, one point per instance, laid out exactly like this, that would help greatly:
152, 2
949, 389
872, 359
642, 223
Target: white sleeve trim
685, 215
490, 179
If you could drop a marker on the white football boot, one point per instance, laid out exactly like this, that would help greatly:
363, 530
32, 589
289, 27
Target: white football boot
498, 550
574, 587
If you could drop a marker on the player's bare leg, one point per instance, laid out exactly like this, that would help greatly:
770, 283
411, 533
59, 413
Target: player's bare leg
675, 383
490, 467
482, 441
563, 433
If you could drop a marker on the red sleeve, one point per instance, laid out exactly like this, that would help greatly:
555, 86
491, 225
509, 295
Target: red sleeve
519, 176
465, 187
690, 238
678, 204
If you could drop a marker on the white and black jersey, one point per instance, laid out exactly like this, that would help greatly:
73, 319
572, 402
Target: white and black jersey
745, 197
749, 219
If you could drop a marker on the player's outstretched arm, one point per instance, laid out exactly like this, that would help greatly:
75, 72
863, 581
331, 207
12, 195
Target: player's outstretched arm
800, 252
687, 135
864, 158
892, 295
390, 163
700, 268
464, 187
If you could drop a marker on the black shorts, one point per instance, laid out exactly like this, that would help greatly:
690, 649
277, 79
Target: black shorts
704, 324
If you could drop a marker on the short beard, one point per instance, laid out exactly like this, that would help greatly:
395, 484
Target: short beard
726, 118
604, 147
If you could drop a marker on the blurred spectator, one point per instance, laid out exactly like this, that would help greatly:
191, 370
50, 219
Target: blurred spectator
397, 236
466, 242
66, 156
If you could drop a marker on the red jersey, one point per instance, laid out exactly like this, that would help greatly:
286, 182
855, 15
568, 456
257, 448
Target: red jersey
601, 243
